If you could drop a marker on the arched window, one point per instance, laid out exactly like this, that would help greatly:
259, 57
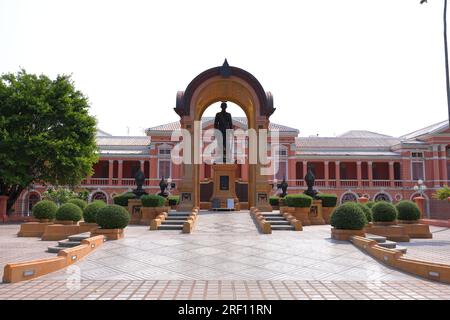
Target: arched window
99, 196
349, 196
33, 198
382, 197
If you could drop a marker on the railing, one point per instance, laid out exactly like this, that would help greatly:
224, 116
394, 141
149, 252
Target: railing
349, 183
381, 183
121, 182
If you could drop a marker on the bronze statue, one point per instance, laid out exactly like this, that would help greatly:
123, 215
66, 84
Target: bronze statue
283, 186
139, 178
223, 122
163, 186
309, 179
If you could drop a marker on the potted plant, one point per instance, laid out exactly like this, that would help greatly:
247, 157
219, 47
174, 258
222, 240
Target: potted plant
90, 215
301, 204
173, 201
408, 218
367, 212
329, 202
122, 199
347, 220
66, 223
78, 202
45, 212
68, 214
274, 201
384, 214
112, 219
152, 206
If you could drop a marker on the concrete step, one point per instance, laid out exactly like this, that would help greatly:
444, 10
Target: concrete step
272, 215
68, 243
176, 218
170, 227
379, 239
54, 249
79, 237
284, 227
280, 223
401, 249
275, 218
172, 222
179, 214
388, 244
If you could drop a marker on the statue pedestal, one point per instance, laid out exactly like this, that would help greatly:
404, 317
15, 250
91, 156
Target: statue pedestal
224, 186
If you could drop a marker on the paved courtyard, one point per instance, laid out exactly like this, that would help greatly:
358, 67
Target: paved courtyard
227, 257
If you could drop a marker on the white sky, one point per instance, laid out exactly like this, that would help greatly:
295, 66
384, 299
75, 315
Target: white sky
331, 65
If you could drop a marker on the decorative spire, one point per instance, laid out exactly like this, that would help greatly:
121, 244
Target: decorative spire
225, 70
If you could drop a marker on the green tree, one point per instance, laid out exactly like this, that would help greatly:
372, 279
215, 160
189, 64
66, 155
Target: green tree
46, 133
442, 194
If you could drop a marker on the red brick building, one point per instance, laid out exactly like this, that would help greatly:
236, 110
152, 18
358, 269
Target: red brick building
352, 164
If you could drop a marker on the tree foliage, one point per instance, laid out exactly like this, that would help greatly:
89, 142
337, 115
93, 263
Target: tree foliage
442, 194
46, 133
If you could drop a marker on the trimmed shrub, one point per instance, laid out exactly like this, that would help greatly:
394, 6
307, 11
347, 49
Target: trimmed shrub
328, 200
174, 200
348, 216
81, 203
153, 200
45, 209
274, 201
91, 210
113, 217
122, 199
298, 200
370, 203
407, 210
367, 211
384, 211
69, 211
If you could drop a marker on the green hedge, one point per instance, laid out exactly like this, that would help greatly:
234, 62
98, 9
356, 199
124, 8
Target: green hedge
370, 203
328, 200
80, 203
174, 200
113, 217
45, 209
407, 210
348, 216
384, 211
298, 200
91, 210
367, 211
122, 199
153, 200
69, 211
274, 201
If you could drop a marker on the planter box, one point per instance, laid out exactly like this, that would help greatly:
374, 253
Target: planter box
315, 213
326, 213
150, 213
66, 222
391, 232
301, 214
87, 226
56, 232
345, 234
384, 223
417, 230
110, 234
33, 229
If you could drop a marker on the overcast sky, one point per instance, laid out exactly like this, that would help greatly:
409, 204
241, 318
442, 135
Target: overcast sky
331, 65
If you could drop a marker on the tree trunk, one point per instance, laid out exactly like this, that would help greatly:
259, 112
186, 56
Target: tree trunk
446, 59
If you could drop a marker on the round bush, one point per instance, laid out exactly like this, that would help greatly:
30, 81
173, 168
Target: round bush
370, 204
91, 210
122, 199
153, 200
174, 200
45, 209
70, 212
384, 211
298, 200
80, 203
274, 201
407, 210
328, 200
113, 217
348, 216
367, 211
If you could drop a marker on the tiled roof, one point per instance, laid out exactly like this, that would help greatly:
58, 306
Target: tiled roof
123, 141
206, 121
362, 134
430, 129
349, 153
344, 142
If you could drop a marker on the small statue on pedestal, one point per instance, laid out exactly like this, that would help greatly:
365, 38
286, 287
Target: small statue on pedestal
163, 186
309, 179
139, 178
283, 186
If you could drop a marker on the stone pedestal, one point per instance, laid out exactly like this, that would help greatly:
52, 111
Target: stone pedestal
315, 212
134, 208
224, 185
420, 201
3, 206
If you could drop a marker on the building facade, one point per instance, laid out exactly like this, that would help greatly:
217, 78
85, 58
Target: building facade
353, 164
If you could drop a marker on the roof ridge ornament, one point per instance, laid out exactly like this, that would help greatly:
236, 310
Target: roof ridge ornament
225, 70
